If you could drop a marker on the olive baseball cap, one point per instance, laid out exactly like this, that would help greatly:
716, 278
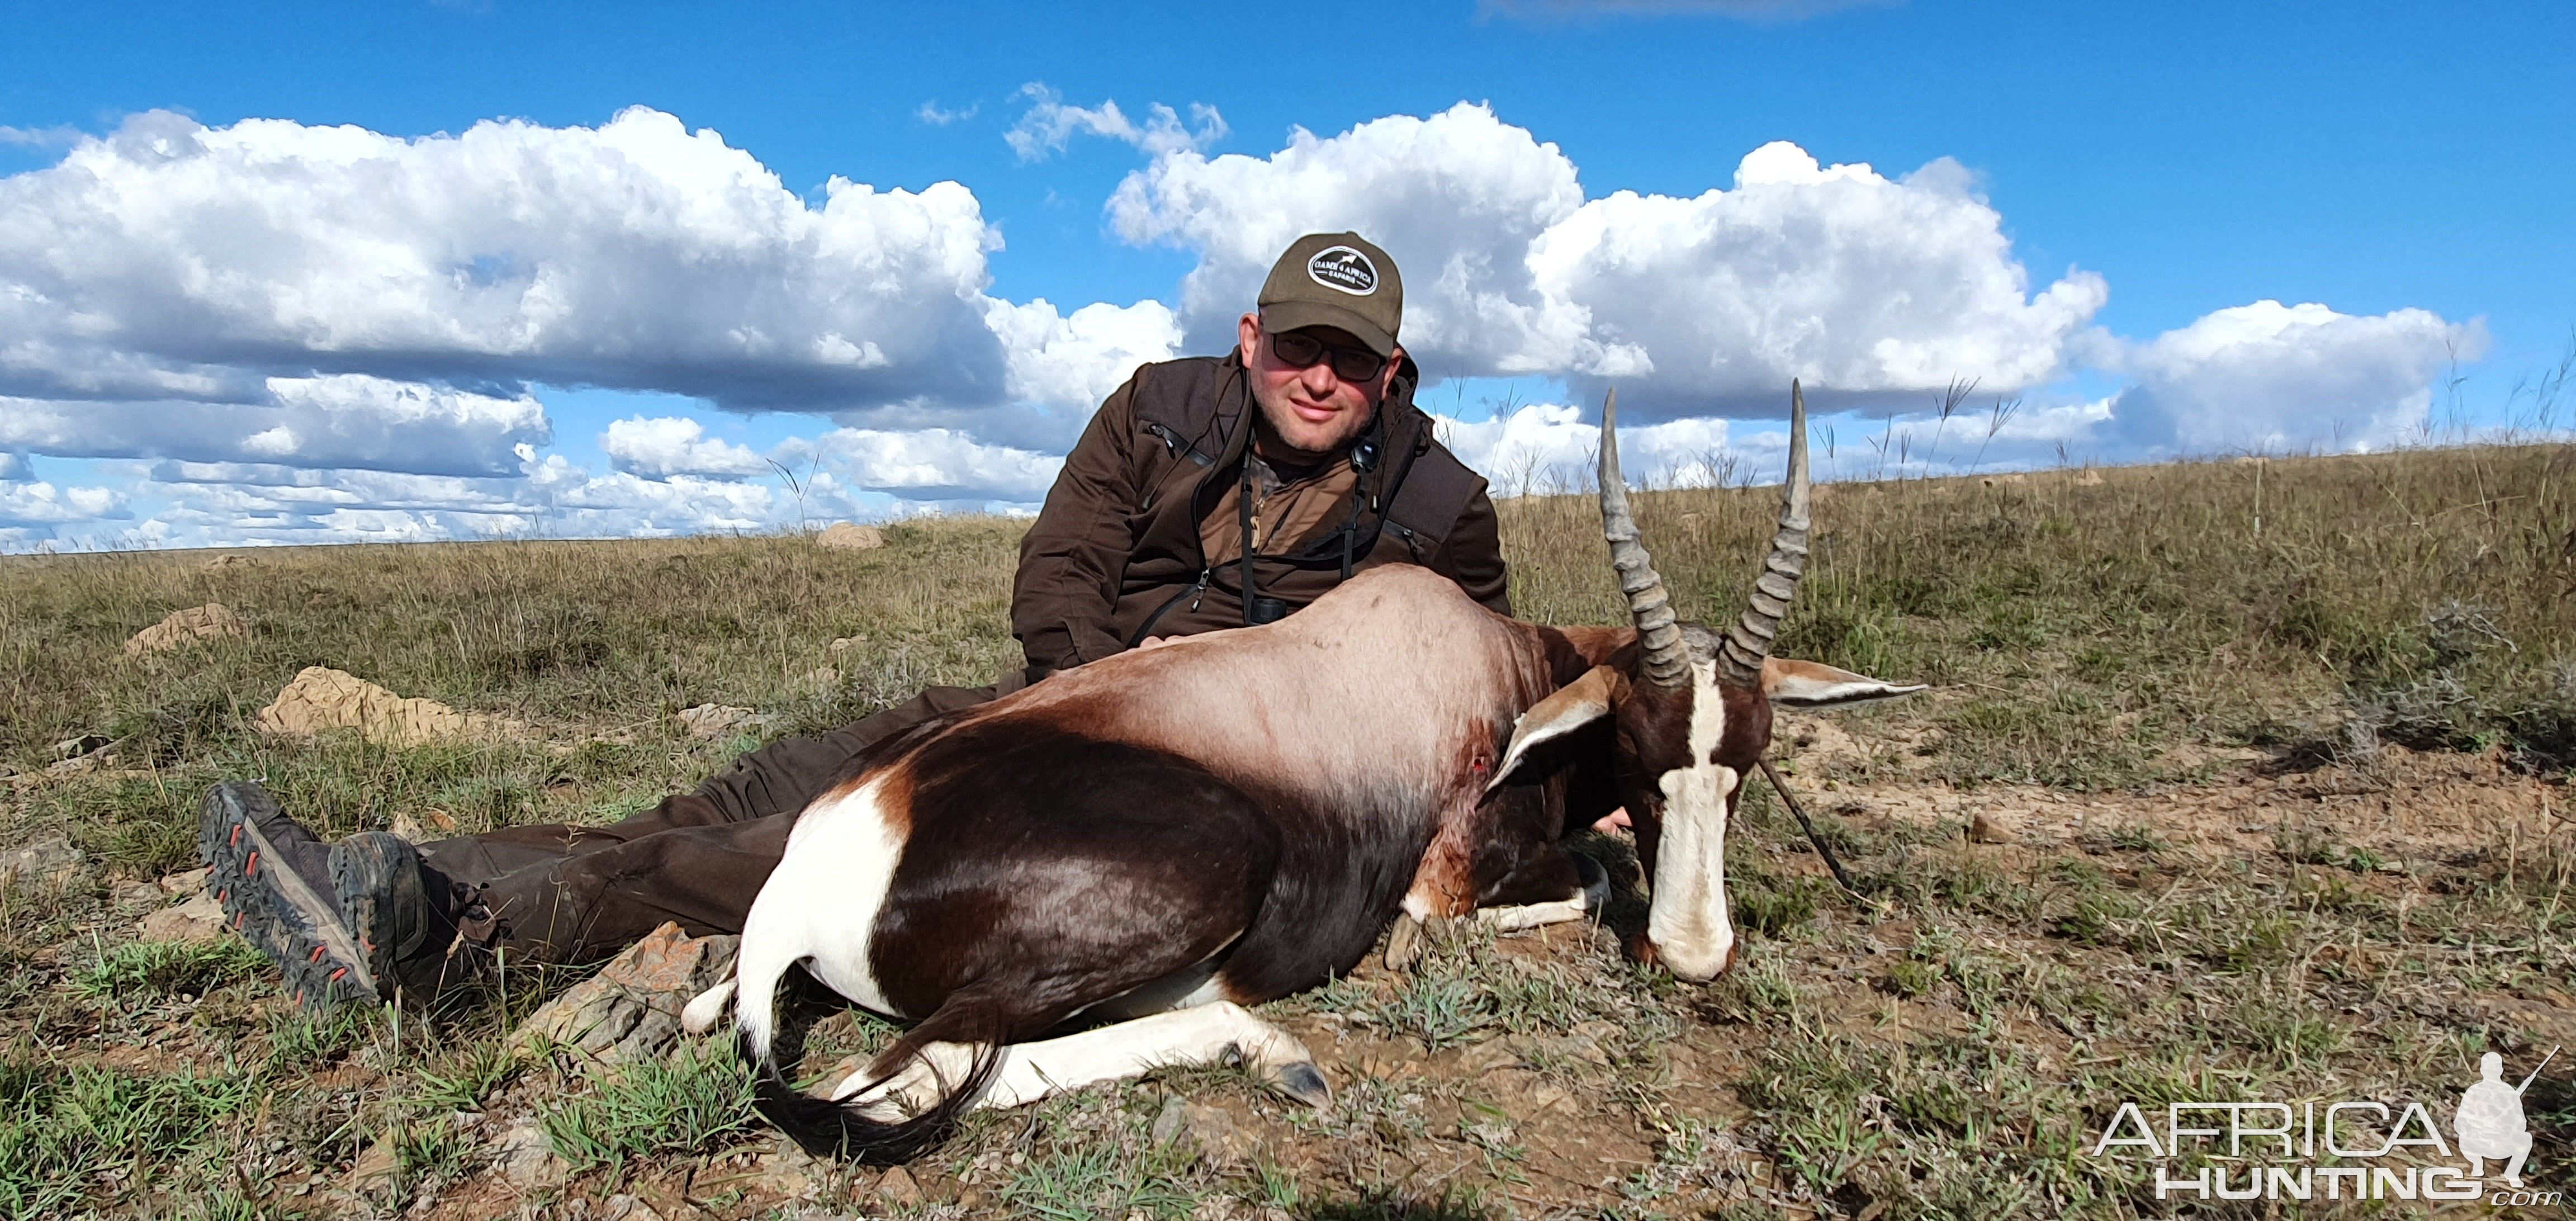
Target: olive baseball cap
1338, 280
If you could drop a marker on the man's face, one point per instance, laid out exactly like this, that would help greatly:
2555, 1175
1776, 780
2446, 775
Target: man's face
1313, 411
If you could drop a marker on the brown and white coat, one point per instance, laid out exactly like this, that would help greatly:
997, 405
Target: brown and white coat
1136, 849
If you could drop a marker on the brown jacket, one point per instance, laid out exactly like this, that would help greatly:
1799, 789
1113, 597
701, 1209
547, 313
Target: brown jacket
1116, 554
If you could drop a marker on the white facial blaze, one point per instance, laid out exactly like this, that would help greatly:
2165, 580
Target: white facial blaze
1688, 923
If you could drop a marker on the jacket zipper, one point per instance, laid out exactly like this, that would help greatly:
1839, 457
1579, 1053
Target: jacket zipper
1196, 590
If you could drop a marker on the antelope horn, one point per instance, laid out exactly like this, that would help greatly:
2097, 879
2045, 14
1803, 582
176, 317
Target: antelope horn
1740, 654
1663, 663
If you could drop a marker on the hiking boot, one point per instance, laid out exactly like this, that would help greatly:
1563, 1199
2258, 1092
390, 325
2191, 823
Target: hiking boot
334, 918
375, 879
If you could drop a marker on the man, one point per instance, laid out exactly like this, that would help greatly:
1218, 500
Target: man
1206, 493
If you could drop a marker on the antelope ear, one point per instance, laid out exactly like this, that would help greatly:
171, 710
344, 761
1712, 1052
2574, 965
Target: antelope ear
1809, 684
1575, 705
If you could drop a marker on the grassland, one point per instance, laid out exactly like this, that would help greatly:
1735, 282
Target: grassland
2270, 760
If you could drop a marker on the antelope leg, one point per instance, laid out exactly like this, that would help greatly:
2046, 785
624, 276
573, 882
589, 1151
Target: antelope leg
1205, 1034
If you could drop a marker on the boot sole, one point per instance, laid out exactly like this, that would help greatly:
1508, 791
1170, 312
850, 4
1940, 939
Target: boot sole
375, 881
269, 905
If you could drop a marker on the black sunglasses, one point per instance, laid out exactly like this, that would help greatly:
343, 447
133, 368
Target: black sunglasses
1298, 349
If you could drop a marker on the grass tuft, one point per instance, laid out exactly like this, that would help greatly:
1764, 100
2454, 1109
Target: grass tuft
689, 1102
168, 968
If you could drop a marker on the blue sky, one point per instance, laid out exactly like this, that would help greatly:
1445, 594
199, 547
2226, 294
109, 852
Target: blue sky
2406, 167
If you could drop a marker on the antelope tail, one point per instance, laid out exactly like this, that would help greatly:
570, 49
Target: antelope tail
771, 1041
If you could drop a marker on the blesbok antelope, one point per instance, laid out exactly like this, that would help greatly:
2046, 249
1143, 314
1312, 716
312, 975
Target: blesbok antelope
1149, 843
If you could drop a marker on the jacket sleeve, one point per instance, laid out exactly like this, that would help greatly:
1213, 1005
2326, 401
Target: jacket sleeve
1472, 555
1073, 559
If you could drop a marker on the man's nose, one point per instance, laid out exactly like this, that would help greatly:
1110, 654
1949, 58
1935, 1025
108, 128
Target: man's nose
1320, 379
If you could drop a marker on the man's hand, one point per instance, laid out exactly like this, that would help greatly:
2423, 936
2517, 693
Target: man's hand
1155, 642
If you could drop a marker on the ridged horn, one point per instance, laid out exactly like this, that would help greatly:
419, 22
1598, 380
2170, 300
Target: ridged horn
1740, 654
1664, 662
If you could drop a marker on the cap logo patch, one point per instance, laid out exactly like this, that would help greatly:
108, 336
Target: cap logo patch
1343, 269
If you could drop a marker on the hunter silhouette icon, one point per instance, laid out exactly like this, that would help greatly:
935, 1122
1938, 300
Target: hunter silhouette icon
2489, 1122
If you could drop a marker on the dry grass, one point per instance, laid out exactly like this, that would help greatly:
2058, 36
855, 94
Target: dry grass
2239, 877
2427, 597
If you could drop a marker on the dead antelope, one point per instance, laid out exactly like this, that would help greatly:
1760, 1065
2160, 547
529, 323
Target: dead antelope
1137, 849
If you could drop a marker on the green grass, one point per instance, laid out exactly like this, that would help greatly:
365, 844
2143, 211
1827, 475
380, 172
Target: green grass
2081, 631
694, 1101
61, 1129
165, 968
1933, 1050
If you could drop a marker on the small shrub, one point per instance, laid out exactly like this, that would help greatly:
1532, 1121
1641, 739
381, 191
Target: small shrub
1910, 978
465, 1080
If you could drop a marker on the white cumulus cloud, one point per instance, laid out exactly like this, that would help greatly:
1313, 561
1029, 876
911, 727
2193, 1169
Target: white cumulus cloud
1552, 447
343, 419
929, 465
289, 333
2274, 376
1049, 125
172, 260
43, 504
1456, 199
1857, 282
660, 447
1851, 281
1070, 362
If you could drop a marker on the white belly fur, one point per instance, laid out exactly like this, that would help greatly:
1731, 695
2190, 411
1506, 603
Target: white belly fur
821, 903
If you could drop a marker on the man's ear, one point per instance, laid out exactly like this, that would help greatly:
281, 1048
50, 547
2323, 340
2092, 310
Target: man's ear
1575, 705
1809, 684
1248, 334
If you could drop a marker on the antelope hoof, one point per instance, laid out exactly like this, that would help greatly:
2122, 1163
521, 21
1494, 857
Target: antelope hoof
1304, 1082
1404, 945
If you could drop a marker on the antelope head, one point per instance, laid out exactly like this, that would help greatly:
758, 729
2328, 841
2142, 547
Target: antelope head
1691, 709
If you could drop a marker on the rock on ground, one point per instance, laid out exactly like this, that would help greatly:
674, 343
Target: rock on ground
213, 621
95, 759
375, 1170
1994, 827
848, 536
712, 721
322, 698
790, 1172
200, 919
1207, 1129
422, 827
130, 897
51, 863
525, 1158
630, 1208
898, 1189
631, 1009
